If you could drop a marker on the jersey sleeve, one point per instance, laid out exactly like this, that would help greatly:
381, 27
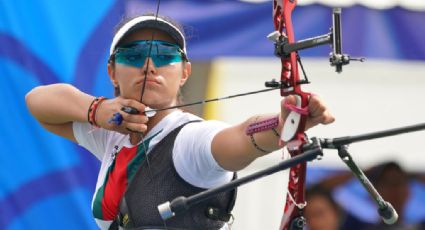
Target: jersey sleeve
193, 158
92, 139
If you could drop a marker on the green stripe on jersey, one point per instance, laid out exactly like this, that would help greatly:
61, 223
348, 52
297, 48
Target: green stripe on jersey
132, 167
135, 163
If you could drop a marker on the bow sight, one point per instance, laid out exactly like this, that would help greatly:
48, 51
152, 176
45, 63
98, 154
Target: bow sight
336, 58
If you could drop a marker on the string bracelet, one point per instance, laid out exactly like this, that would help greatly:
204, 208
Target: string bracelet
276, 133
91, 113
256, 146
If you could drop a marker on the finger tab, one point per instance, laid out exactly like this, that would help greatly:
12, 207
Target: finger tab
129, 110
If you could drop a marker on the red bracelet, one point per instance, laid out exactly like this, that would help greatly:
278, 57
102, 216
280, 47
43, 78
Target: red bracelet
91, 113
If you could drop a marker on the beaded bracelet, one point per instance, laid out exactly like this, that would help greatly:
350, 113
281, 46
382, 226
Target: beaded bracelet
256, 127
91, 113
264, 125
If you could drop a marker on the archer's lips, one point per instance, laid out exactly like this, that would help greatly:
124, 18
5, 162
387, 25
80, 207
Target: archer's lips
148, 81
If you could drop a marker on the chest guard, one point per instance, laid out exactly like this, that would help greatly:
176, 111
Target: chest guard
157, 181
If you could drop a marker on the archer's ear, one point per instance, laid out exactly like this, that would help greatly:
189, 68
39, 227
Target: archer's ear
187, 70
111, 73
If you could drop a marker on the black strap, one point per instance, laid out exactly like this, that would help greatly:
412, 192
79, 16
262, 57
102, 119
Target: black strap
220, 214
122, 218
114, 225
234, 195
123, 215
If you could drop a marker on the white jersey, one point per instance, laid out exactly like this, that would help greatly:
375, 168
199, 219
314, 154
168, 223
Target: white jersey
192, 155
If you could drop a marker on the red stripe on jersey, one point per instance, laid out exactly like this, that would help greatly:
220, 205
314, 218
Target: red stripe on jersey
117, 183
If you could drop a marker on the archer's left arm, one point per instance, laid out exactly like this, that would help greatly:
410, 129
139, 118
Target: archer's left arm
233, 149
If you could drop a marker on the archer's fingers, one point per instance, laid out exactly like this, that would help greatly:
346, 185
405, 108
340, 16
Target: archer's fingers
315, 105
325, 118
318, 112
135, 118
136, 127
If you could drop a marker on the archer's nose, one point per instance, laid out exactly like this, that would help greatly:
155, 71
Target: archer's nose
149, 67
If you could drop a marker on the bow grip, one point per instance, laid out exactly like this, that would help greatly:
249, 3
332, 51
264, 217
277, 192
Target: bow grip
295, 121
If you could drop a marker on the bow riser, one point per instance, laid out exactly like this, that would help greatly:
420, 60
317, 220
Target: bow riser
290, 79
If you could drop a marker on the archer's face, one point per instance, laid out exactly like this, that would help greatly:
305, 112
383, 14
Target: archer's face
162, 83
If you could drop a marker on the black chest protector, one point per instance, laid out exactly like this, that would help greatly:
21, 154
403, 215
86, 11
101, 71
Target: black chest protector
156, 182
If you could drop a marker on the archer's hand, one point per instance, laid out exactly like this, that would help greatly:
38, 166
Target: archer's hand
131, 123
318, 112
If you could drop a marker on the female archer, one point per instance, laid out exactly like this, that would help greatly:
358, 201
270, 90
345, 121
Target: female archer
147, 160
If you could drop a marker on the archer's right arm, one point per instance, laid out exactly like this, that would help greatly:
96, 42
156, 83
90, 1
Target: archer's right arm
56, 106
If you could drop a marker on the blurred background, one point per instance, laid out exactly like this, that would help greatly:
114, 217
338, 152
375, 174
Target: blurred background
47, 182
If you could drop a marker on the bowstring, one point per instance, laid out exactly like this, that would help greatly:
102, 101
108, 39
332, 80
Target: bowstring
146, 71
